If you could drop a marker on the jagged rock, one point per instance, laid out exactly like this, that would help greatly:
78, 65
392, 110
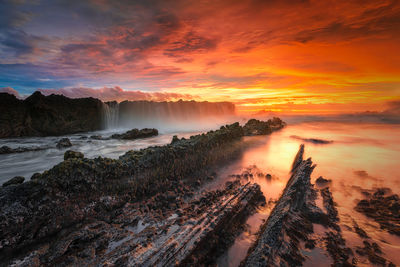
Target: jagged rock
136, 133
5, 150
291, 222
14, 181
321, 181
73, 155
35, 176
174, 139
384, 208
8, 150
192, 233
64, 142
75, 187
257, 127
97, 189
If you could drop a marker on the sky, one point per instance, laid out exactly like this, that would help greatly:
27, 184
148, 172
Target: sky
290, 56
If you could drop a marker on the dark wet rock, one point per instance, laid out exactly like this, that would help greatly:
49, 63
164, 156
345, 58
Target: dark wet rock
286, 219
257, 127
5, 150
99, 137
80, 189
63, 143
384, 208
192, 233
8, 150
40, 115
321, 181
361, 233
312, 140
35, 176
373, 252
136, 133
73, 155
14, 181
291, 223
174, 139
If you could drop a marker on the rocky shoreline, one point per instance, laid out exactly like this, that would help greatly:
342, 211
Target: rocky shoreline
291, 231
86, 190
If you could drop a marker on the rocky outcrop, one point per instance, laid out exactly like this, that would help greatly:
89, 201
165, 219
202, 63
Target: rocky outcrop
85, 189
289, 227
136, 133
168, 229
40, 115
384, 208
321, 181
257, 127
63, 143
9, 150
14, 181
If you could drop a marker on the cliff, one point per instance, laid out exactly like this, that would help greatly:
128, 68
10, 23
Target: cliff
53, 115
40, 115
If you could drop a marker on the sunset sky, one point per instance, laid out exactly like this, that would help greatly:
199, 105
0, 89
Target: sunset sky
299, 56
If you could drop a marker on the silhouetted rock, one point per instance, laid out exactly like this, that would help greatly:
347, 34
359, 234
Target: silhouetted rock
64, 142
384, 208
174, 139
312, 140
136, 133
257, 127
15, 180
291, 223
73, 155
5, 150
321, 181
8, 150
40, 115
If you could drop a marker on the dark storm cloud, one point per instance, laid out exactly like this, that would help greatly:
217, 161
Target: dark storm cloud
11, 16
19, 43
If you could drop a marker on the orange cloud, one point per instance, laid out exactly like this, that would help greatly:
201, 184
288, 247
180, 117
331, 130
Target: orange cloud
301, 56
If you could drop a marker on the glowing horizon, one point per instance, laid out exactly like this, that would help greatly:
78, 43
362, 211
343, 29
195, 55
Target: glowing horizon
311, 57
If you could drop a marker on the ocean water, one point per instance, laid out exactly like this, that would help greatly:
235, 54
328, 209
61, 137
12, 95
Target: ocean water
360, 156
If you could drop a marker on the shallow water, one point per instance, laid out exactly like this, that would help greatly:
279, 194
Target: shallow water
360, 156
27, 163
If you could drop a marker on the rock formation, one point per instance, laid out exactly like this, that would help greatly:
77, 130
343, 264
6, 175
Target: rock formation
40, 115
136, 133
79, 190
257, 127
384, 208
290, 224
